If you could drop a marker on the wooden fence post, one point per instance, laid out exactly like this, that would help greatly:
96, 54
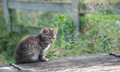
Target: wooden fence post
75, 14
6, 15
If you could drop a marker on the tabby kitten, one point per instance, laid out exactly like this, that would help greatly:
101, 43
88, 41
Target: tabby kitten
32, 48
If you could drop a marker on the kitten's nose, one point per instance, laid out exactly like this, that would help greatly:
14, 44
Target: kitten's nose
51, 41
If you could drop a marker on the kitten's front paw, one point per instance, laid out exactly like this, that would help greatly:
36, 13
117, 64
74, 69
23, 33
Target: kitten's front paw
44, 60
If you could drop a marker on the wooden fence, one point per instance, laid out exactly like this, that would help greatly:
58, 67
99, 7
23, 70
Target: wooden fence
72, 7
42, 6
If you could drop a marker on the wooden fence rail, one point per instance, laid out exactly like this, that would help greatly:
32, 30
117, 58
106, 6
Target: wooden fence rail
42, 6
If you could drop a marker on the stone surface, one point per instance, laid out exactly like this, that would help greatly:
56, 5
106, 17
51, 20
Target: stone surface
84, 63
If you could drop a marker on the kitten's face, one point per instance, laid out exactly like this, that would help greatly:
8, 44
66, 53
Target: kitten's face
49, 34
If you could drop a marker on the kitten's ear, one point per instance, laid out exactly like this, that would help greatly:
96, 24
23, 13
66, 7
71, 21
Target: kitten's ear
55, 29
45, 30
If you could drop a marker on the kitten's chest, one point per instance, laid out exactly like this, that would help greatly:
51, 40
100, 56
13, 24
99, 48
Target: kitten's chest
46, 48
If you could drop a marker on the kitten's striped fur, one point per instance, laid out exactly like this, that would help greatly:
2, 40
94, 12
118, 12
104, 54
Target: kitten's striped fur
32, 48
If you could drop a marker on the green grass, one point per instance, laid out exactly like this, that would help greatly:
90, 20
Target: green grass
102, 34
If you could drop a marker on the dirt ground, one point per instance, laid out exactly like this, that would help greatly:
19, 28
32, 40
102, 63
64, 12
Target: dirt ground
84, 63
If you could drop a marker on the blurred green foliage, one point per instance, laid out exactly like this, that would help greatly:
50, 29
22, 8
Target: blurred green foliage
101, 34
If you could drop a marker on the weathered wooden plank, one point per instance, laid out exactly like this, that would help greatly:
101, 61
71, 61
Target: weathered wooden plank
42, 6
84, 63
75, 13
6, 14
